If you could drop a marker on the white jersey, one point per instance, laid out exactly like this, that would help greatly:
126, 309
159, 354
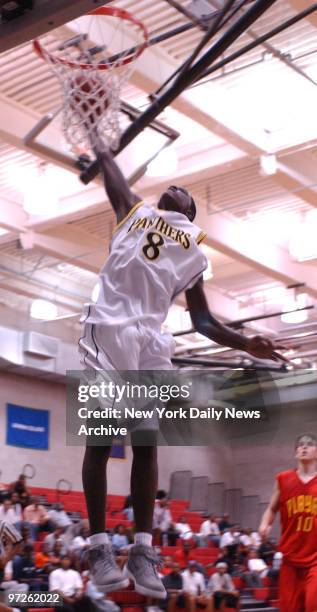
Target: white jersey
154, 256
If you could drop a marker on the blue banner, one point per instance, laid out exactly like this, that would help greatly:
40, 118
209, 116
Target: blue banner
27, 427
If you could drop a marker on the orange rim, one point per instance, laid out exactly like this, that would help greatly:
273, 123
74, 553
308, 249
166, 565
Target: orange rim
109, 12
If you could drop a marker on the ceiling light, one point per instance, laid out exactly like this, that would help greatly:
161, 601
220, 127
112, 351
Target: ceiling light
293, 305
41, 309
303, 243
165, 163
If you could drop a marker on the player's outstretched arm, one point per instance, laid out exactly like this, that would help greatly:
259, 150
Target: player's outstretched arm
270, 513
208, 326
121, 197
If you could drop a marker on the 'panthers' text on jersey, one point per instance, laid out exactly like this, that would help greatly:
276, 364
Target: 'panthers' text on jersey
154, 256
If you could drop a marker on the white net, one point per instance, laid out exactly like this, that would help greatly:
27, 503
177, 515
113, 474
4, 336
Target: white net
92, 67
91, 107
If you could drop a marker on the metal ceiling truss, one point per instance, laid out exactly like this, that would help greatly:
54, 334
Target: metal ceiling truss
188, 78
84, 161
259, 41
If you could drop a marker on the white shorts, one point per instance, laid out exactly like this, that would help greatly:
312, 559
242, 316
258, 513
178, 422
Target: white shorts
135, 348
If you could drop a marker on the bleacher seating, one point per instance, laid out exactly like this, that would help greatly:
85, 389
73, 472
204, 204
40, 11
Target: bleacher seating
128, 600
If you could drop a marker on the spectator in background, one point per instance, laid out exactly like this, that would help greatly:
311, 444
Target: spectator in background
26, 537
120, 541
128, 509
52, 538
230, 540
57, 553
224, 523
245, 538
36, 516
167, 566
8, 585
274, 571
266, 550
222, 589
209, 531
224, 557
24, 569
10, 541
68, 583
256, 540
43, 557
176, 598
19, 487
183, 529
17, 509
81, 543
58, 517
7, 513
185, 554
163, 522
194, 587
3, 492
257, 570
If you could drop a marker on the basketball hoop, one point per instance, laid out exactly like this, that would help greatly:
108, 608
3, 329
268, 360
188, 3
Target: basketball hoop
92, 73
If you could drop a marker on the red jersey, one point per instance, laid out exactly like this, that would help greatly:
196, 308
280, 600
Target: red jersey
298, 509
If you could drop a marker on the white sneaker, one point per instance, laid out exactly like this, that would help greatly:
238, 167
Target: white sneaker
141, 569
104, 571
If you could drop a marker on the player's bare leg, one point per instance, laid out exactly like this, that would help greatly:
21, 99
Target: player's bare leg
144, 482
94, 479
142, 562
104, 570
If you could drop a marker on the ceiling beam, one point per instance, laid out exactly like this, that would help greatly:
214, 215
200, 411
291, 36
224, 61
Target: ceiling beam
294, 181
32, 290
238, 240
301, 5
72, 245
18, 269
12, 216
16, 120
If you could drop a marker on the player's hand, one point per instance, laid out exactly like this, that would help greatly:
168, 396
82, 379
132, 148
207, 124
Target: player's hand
264, 531
264, 348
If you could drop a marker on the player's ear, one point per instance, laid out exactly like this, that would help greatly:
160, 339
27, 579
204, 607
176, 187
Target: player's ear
193, 209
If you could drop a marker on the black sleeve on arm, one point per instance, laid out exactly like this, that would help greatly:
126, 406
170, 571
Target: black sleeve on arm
206, 324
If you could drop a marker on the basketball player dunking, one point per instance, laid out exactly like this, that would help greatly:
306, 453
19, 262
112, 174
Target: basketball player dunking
154, 255
295, 496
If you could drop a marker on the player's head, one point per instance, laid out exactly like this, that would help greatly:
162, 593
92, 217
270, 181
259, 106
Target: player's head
178, 200
306, 448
